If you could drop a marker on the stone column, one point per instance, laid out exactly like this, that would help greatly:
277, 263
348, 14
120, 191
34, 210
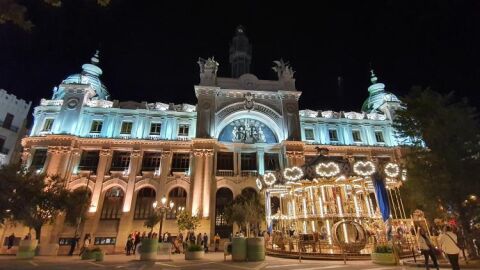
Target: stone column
74, 161
105, 155
197, 184
207, 183
52, 161
135, 158
236, 164
261, 161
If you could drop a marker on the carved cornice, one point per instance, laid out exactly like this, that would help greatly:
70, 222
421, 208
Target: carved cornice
136, 154
59, 149
105, 152
203, 152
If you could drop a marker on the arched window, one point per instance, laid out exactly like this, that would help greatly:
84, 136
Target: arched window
143, 205
112, 203
179, 196
223, 197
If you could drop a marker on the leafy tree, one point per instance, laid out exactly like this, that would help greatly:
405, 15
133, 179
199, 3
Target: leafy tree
152, 220
443, 156
14, 11
76, 206
36, 199
245, 210
185, 221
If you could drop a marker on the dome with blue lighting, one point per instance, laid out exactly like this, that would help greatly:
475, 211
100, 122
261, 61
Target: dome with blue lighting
90, 75
378, 96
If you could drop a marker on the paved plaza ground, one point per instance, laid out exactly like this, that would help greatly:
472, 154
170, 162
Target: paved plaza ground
212, 261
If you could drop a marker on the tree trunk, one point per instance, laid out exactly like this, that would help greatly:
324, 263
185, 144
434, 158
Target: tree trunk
38, 231
464, 221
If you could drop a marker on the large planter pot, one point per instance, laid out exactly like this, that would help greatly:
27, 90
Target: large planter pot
99, 256
194, 255
48, 249
384, 258
26, 249
239, 249
148, 249
255, 249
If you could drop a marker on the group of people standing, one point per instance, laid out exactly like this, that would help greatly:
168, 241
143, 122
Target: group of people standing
447, 243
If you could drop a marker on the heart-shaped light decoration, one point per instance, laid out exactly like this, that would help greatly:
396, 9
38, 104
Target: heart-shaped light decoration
269, 179
404, 175
293, 174
392, 169
364, 168
327, 169
259, 184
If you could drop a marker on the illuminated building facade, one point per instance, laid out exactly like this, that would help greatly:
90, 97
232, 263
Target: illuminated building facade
130, 154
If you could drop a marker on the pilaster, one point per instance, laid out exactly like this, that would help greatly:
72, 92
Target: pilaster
197, 186
207, 183
105, 156
135, 158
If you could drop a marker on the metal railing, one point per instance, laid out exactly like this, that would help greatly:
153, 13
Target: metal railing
224, 173
249, 173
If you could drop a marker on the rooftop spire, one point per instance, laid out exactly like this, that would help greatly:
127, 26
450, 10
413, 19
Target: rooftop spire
373, 78
240, 53
95, 58
92, 67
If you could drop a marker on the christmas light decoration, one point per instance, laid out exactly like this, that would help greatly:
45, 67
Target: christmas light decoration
327, 169
392, 170
269, 179
259, 184
364, 168
293, 174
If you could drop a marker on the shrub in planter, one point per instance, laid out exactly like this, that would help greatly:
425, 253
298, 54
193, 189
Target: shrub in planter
98, 254
384, 254
87, 255
194, 252
26, 249
148, 249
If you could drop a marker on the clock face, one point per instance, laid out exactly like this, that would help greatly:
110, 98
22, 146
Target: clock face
72, 103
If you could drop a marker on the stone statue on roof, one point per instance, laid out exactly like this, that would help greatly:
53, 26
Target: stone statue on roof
208, 70
283, 69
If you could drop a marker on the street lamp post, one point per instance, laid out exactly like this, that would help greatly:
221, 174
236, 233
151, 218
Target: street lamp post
162, 207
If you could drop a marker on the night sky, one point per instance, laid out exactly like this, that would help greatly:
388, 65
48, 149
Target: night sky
149, 49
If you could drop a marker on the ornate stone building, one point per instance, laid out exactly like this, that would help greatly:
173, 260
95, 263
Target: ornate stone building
130, 154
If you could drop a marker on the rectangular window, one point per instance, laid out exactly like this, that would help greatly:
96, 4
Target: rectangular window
126, 128
47, 125
180, 162
379, 137
64, 241
155, 128
183, 129
151, 161
105, 241
356, 136
249, 161
120, 161
96, 126
38, 159
89, 161
272, 162
7, 123
332, 133
309, 135
225, 161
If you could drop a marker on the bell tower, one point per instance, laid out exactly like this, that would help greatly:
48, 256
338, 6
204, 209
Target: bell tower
240, 53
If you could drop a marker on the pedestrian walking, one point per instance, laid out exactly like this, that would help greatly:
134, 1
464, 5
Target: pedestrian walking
10, 241
426, 248
199, 239
129, 245
216, 240
448, 243
73, 245
205, 242
136, 242
86, 244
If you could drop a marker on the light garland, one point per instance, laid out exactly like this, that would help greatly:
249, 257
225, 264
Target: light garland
259, 184
327, 169
269, 179
392, 170
364, 168
293, 174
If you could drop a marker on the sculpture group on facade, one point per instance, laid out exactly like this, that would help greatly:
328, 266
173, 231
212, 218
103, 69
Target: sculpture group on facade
247, 131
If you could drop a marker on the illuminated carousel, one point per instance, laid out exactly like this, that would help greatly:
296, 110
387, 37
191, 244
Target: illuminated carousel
330, 207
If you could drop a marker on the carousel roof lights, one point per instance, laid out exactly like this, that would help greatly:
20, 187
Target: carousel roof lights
392, 169
364, 168
293, 174
329, 169
259, 184
269, 179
